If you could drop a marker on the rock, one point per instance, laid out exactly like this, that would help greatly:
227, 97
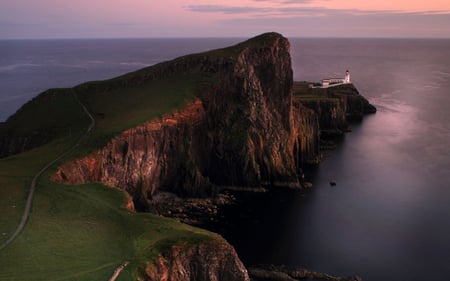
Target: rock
240, 131
215, 260
332, 183
283, 273
257, 274
341, 105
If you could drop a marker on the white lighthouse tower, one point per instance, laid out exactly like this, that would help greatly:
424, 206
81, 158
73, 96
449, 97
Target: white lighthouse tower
347, 77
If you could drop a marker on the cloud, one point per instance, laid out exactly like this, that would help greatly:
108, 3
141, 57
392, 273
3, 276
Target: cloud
300, 10
125, 24
226, 9
351, 24
305, 20
289, 1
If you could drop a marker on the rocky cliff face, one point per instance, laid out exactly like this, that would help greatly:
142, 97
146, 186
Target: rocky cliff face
353, 104
215, 260
242, 130
335, 107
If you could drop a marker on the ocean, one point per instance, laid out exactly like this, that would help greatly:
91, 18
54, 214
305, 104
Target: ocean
388, 217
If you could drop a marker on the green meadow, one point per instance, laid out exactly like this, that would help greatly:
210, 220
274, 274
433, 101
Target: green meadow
84, 232
77, 232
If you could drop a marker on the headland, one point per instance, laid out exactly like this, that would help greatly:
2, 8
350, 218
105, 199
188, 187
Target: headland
190, 127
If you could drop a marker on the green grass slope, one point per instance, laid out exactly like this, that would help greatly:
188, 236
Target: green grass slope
76, 232
82, 232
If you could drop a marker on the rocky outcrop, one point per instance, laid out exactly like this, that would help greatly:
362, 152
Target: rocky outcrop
355, 106
335, 107
242, 130
214, 260
156, 155
282, 273
330, 114
307, 131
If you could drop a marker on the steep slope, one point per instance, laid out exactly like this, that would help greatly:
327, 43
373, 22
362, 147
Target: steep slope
53, 114
334, 107
84, 232
221, 118
239, 129
214, 260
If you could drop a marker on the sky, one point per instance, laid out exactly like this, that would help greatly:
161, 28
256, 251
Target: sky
223, 18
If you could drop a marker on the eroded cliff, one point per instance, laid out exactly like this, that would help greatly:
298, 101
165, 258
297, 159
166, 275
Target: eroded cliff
215, 260
240, 130
334, 107
240, 127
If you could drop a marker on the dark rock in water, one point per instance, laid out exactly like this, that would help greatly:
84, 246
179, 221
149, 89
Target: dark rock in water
193, 211
282, 273
332, 183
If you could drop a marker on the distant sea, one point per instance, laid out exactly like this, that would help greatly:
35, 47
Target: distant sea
388, 217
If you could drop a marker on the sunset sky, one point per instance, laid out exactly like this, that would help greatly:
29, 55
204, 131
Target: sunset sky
219, 18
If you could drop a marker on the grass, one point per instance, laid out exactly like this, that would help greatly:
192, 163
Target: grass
77, 232
123, 108
82, 232
53, 114
302, 92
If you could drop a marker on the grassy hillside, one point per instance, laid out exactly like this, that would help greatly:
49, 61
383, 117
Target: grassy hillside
118, 109
82, 232
75, 232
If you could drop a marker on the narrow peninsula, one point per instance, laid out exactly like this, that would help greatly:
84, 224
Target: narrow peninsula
190, 127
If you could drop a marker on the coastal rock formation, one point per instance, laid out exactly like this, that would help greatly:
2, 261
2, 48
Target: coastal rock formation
355, 105
334, 107
282, 273
241, 130
330, 113
215, 260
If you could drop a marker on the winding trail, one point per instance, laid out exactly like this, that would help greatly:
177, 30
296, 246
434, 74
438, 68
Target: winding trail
26, 211
118, 270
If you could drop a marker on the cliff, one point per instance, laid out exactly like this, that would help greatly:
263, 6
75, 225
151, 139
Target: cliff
215, 260
335, 107
222, 118
240, 130
238, 124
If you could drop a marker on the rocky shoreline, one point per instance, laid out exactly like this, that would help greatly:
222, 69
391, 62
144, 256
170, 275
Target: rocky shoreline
283, 273
193, 211
247, 124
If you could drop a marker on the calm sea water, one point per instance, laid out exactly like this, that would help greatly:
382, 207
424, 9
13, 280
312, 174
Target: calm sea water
388, 218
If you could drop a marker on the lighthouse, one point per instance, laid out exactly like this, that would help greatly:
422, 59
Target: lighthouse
347, 77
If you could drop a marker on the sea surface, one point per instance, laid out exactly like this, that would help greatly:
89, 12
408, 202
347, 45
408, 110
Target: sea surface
388, 217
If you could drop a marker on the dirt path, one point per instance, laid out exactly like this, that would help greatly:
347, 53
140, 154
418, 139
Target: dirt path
26, 211
118, 270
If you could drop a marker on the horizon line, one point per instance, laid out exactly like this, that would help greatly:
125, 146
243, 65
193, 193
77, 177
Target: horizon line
214, 37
